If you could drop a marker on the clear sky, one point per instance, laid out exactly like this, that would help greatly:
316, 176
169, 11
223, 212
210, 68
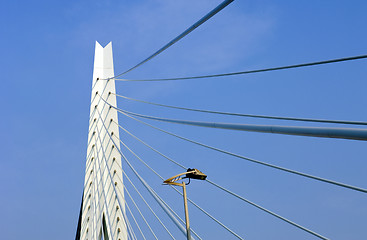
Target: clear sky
46, 67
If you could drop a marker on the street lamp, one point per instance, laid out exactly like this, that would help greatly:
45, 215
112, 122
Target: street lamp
190, 173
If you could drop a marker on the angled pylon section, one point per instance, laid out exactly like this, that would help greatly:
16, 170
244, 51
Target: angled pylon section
103, 210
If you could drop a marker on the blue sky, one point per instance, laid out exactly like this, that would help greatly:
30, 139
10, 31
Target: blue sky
47, 52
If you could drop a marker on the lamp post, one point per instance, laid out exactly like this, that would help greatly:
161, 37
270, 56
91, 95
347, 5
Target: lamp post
190, 173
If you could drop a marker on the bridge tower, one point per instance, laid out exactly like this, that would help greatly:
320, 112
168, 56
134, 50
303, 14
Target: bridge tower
103, 205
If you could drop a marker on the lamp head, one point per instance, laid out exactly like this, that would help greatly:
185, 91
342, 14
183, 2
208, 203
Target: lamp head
195, 174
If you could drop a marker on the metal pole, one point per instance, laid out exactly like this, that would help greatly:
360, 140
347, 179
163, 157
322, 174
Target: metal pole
188, 232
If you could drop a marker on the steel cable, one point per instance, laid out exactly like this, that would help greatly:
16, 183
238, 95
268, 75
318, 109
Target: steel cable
243, 199
246, 115
141, 214
179, 37
248, 72
112, 182
250, 159
197, 206
251, 203
150, 190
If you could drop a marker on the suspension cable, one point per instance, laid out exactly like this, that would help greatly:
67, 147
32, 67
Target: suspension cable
243, 199
245, 115
274, 214
100, 94
98, 151
253, 160
150, 190
149, 146
136, 189
136, 223
129, 228
141, 214
111, 180
342, 133
268, 211
162, 203
177, 216
248, 72
197, 206
246, 158
103, 188
183, 34
146, 203
94, 199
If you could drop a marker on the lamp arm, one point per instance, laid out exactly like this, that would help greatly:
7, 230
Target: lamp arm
169, 180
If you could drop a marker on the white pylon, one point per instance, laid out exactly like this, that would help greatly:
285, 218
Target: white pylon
103, 211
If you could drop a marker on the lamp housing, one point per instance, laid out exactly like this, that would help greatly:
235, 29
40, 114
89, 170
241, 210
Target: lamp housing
193, 173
